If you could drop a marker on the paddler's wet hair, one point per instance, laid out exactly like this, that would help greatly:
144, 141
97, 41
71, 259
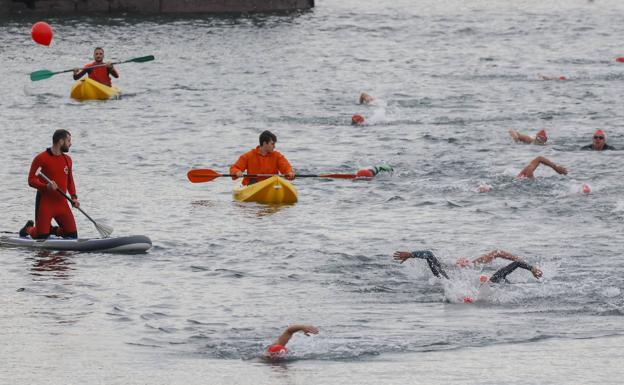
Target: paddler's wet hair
267, 136
59, 135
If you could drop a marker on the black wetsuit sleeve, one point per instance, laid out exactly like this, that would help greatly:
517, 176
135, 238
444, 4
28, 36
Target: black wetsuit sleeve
501, 274
432, 261
82, 73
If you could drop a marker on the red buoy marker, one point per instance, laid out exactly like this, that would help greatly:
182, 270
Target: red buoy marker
41, 33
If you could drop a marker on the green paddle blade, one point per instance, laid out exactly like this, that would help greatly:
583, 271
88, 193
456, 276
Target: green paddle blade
40, 75
141, 59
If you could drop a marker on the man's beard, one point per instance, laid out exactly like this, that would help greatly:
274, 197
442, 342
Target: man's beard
64, 149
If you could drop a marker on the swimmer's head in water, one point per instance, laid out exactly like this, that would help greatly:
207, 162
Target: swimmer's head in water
468, 299
364, 174
483, 278
357, 119
462, 262
277, 351
541, 137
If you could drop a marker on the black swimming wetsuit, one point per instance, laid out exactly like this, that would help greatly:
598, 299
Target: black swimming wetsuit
498, 276
605, 147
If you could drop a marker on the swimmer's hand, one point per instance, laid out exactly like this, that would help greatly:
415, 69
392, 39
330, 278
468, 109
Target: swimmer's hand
560, 169
309, 329
402, 256
537, 273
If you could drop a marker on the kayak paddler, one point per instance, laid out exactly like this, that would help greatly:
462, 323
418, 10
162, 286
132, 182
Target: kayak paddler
262, 160
101, 74
49, 204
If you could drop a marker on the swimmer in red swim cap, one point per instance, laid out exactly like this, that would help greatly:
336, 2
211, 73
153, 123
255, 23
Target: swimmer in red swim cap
599, 142
357, 119
278, 347
499, 276
540, 138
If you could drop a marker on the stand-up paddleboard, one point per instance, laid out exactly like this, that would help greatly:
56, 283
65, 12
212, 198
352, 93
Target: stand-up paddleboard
129, 244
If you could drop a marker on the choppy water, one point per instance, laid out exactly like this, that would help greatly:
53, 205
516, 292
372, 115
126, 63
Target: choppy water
225, 278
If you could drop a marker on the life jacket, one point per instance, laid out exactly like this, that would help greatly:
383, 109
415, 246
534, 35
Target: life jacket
100, 74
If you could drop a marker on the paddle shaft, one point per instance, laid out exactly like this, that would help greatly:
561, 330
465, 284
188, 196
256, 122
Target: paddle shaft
41, 174
95, 66
268, 175
45, 74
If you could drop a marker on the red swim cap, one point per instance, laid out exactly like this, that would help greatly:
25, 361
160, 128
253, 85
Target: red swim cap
620, 59
585, 188
277, 350
483, 278
357, 119
468, 300
599, 132
562, 78
542, 133
364, 174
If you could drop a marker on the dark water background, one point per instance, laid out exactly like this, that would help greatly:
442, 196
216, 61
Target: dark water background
224, 278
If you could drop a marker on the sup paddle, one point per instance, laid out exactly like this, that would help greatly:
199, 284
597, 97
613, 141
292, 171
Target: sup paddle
45, 74
202, 175
105, 231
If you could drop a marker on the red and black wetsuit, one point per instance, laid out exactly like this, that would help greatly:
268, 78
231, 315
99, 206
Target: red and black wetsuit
99, 74
50, 204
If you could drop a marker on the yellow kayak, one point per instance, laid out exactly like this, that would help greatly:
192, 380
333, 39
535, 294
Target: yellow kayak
272, 190
89, 89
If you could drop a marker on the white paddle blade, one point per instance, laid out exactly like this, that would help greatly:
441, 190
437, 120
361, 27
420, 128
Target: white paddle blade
104, 230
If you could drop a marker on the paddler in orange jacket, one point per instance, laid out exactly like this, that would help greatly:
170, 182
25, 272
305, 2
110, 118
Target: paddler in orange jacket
102, 72
262, 160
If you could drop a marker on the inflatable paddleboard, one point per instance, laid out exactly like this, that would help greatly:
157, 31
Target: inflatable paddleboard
129, 244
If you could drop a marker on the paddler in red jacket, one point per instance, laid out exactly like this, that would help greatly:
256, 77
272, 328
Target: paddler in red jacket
262, 160
57, 166
102, 72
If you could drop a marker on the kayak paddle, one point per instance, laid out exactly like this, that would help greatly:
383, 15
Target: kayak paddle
206, 175
45, 74
105, 231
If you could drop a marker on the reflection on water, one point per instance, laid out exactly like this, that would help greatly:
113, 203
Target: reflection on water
258, 209
54, 262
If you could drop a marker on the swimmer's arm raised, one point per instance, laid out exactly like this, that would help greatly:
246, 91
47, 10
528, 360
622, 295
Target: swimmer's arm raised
518, 137
288, 333
489, 257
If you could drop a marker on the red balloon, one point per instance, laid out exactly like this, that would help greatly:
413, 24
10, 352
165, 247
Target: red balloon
41, 33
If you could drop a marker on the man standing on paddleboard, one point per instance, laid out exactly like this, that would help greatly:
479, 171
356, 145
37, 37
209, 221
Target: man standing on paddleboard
262, 160
50, 203
102, 71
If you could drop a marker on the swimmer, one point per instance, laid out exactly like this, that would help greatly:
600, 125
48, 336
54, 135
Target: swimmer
366, 98
599, 142
278, 347
540, 137
499, 276
371, 172
528, 171
543, 77
357, 120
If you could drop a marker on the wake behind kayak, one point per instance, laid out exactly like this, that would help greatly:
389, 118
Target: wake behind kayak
128, 244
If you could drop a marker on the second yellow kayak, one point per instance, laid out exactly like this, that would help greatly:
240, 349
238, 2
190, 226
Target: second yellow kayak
273, 190
89, 89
